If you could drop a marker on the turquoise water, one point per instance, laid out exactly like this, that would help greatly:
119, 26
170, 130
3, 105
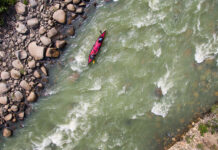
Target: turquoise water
150, 44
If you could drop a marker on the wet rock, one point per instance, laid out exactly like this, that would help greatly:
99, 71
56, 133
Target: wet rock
3, 100
14, 108
15, 74
32, 64
42, 30
73, 15
71, 31
43, 69
25, 85
21, 115
21, 28
76, 1
8, 117
36, 51
52, 32
7, 132
71, 7
79, 10
45, 40
33, 23
52, 52
31, 97
36, 74
59, 16
33, 3
18, 96
20, 8
158, 92
5, 75
60, 43
3, 88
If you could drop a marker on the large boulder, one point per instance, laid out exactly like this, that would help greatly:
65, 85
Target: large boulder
17, 64
7, 132
52, 32
3, 100
31, 97
25, 85
21, 54
79, 10
21, 28
71, 7
60, 43
37, 52
20, 8
33, 23
14, 108
45, 40
3, 88
5, 75
8, 117
59, 16
76, 1
15, 74
52, 52
18, 96
32, 64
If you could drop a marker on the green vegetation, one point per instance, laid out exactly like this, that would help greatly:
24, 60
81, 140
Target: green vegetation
4, 4
25, 2
203, 129
214, 109
200, 146
189, 138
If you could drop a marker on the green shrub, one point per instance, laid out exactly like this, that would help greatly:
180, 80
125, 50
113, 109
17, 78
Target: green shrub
4, 4
203, 129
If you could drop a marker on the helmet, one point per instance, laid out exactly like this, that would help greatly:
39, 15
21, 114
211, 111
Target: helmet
92, 56
100, 39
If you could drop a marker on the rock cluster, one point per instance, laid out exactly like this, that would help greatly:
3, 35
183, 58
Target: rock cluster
36, 36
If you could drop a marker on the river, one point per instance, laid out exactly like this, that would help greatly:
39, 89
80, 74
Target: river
170, 45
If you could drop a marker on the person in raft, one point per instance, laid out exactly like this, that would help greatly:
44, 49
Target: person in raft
100, 40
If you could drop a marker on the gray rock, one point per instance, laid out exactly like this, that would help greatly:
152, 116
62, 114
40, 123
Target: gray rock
5, 75
31, 97
20, 8
34, 22
17, 64
60, 43
76, 1
52, 32
3, 88
36, 51
32, 64
45, 40
14, 108
21, 28
42, 30
25, 85
7, 132
3, 100
71, 7
59, 16
36, 74
8, 117
18, 96
33, 3
15, 74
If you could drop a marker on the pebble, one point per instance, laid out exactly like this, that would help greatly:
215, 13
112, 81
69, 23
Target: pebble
52, 32
42, 30
33, 23
3, 88
15, 74
25, 85
18, 96
43, 69
5, 75
3, 100
17, 64
45, 40
21, 28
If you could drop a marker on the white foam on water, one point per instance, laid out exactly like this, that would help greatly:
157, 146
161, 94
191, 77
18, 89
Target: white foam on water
161, 108
149, 19
153, 4
206, 50
157, 52
96, 86
164, 82
123, 91
137, 115
199, 6
78, 121
174, 30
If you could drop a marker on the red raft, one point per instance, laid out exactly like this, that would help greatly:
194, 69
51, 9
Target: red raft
96, 48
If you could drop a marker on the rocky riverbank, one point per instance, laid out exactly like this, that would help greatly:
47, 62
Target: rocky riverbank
31, 39
203, 134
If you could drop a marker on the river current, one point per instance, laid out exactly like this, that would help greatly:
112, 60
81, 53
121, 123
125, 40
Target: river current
150, 45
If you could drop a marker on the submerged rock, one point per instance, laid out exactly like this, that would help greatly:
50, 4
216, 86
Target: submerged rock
7, 132
158, 92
